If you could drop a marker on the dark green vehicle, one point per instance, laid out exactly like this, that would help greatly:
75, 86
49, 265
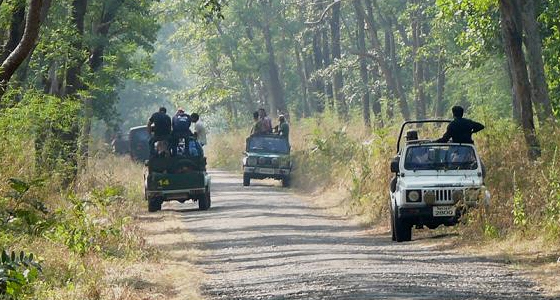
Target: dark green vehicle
267, 156
179, 178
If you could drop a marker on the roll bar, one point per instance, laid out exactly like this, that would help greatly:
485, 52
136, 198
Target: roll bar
417, 122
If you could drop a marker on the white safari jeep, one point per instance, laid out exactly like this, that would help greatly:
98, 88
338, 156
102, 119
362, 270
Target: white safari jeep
434, 183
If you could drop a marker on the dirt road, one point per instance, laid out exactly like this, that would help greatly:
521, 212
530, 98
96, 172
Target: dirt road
265, 243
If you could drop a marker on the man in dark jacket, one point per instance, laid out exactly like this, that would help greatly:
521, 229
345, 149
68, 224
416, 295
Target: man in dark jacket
181, 124
161, 129
460, 130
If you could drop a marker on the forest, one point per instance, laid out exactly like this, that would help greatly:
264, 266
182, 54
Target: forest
74, 73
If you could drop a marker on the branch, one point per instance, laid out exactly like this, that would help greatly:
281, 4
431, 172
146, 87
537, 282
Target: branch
323, 14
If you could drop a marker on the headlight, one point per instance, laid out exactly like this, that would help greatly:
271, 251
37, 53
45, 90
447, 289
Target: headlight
251, 161
430, 197
285, 162
274, 161
457, 195
413, 196
472, 195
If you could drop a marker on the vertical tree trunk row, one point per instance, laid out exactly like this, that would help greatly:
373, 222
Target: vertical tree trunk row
512, 33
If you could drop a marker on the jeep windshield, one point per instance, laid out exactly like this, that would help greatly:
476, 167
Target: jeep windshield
268, 144
440, 157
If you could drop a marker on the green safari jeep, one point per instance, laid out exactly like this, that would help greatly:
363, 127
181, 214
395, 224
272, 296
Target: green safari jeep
267, 156
176, 178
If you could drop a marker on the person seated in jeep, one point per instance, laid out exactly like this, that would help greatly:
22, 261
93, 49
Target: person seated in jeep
460, 130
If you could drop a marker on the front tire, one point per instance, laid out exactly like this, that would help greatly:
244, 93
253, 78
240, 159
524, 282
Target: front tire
205, 201
286, 182
154, 204
402, 230
246, 180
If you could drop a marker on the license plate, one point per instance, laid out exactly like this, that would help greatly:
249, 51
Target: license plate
266, 171
444, 211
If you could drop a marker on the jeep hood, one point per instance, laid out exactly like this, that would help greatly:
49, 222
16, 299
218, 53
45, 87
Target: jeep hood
265, 154
431, 181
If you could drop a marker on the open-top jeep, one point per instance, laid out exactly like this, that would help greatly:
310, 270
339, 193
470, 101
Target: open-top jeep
180, 177
434, 183
267, 156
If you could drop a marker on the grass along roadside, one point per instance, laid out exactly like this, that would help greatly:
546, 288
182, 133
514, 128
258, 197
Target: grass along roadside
93, 241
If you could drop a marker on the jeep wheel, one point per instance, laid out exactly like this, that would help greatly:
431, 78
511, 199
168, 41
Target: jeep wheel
154, 204
402, 230
286, 182
246, 180
393, 234
205, 201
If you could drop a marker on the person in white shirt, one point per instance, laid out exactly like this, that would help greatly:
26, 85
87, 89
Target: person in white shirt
199, 129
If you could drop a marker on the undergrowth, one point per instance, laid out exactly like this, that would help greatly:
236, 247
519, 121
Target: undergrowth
58, 236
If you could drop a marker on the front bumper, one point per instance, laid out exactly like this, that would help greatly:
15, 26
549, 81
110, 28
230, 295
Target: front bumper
266, 172
424, 216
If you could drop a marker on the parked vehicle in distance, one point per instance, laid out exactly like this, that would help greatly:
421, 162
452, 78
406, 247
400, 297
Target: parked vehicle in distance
138, 140
182, 177
434, 183
267, 156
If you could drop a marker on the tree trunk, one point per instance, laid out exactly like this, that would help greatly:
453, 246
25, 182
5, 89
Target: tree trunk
318, 65
512, 34
385, 67
16, 58
533, 44
277, 93
440, 88
418, 71
306, 110
340, 102
79, 8
326, 63
361, 45
17, 26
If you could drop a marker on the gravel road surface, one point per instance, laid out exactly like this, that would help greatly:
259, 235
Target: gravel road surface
265, 243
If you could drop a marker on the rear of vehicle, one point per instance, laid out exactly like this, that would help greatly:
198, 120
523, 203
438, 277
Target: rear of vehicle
435, 184
139, 148
267, 156
177, 178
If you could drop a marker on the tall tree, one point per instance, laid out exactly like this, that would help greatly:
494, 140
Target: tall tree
361, 45
25, 46
337, 80
533, 44
512, 32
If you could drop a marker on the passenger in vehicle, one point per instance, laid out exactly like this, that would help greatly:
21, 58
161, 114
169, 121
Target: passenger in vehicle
460, 130
199, 129
161, 129
181, 124
266, 121
283, 129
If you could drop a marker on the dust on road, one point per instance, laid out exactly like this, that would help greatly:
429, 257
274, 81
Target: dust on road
263, 242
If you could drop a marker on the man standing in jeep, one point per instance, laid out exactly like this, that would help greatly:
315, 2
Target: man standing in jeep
162, 127
460, 129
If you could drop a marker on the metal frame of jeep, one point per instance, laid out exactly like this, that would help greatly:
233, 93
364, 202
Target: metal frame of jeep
274, 171
449, 199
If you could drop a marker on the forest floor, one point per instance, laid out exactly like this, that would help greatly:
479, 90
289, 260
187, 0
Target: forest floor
264, 242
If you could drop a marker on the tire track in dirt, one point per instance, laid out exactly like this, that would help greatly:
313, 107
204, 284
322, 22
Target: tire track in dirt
265, 243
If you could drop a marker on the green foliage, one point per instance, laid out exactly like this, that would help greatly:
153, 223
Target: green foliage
519, 216
22, 213
17, 273
85, 226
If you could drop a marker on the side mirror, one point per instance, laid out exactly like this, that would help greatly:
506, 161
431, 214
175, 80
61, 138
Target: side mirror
395, 165
146, 162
